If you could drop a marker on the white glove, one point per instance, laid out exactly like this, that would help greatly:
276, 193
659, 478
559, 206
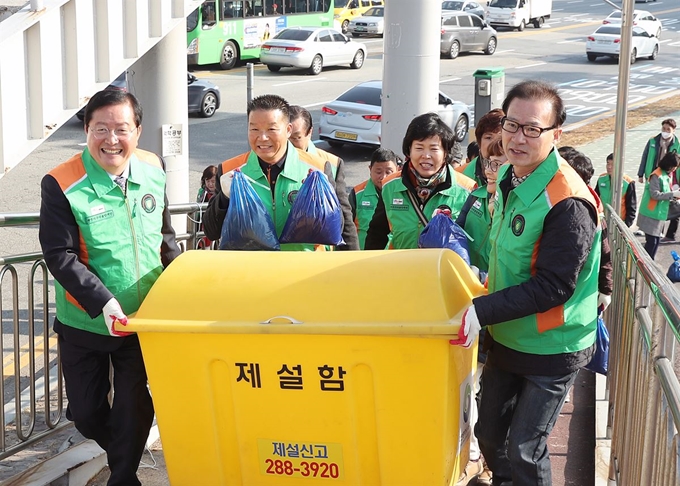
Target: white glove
469, 328
603, 301
225, 183
475, 270
676, 194
112, 313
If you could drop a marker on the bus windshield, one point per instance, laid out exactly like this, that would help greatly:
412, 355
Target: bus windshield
503, 3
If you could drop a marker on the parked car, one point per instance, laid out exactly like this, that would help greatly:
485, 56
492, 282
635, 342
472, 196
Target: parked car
355, 116
204, 96
466, 6
463, 32
311, 48
606, 41
641, 18
371, 23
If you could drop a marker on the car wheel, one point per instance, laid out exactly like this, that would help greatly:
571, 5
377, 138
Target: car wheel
358, 60
345, 25
591, 57
490, 46
633, 55
334, 143
229, 56
521, 26
208, 105
317, 65
274, 69
461, 128
655, 53
454, 50
538, 23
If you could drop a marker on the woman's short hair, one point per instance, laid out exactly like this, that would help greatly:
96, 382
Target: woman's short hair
429, 125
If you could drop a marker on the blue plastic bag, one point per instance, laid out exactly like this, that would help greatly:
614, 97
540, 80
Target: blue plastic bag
248, 225
673, 273
600, 361
443, 232
316, 216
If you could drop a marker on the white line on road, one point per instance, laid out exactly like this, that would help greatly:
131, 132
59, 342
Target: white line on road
530, 65
665, 40
317, 104
595, 5
447, 80
298, 82
570, 41
506, 50
558, 9
577, 1
577, 15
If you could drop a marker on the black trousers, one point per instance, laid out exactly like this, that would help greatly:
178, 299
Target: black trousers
672, 228
122, 428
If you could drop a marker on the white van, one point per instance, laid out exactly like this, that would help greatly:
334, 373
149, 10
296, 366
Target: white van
516, 14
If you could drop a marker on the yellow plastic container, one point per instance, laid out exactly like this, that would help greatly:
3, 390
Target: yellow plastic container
283, 368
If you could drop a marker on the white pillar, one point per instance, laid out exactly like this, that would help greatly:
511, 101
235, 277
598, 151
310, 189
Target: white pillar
159, 80
411, 65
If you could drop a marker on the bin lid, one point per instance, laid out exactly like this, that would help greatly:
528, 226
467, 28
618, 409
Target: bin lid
273, 291
495, 72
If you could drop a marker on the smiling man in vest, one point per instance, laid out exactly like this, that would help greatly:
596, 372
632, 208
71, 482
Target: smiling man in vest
541, 310
106, 236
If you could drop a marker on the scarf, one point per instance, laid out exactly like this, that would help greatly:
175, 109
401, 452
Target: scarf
516, 181
426, 185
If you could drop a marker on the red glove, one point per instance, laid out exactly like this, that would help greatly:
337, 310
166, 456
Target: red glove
469, 328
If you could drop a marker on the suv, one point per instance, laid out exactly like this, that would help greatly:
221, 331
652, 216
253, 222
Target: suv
463, 32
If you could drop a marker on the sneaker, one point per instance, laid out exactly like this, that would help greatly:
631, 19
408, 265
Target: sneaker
667, 240
485, 477
472, 470
639, 233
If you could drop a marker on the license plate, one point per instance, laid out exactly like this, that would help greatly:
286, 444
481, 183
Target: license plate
300, 459
604, 42
346, 136
360, 29
278, 50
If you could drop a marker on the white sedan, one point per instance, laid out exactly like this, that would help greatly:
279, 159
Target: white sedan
355, 116
641, 18
370, 23
606, 41
311, 48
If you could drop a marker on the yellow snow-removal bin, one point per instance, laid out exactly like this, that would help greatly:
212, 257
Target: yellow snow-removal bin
306, 368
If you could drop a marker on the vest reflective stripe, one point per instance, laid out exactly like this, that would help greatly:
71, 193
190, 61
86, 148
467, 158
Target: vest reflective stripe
119, 235
288, 183
653, 208
367, 200
404, 222
515, 237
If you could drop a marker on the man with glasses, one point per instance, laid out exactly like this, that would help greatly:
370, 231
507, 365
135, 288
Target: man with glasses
541, 309
106, 236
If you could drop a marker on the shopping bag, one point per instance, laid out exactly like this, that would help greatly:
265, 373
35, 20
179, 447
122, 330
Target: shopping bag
600, 361
673, 273
443, 232
248, 225
316, 216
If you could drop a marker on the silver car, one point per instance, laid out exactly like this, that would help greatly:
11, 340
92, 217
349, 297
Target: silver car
463, 32
370, 23
354, 117
466, 6
311, 48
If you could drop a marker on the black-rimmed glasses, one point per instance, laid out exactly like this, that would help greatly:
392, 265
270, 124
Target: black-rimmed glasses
528, 130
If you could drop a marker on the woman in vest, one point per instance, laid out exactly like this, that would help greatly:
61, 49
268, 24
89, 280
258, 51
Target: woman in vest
426, 182
659, 202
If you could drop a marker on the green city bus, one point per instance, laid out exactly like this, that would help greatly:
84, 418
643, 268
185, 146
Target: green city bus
226, 31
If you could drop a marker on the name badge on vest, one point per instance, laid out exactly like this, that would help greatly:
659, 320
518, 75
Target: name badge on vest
398, 204
366, 203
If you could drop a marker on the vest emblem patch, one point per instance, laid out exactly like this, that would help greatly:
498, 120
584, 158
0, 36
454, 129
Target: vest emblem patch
518, 224
291, 196
148, 203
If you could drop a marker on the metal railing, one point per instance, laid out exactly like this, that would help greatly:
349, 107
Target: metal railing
41, 379
644, 364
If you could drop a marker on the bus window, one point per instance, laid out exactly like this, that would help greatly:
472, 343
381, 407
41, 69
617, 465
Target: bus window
192, 20
208, 14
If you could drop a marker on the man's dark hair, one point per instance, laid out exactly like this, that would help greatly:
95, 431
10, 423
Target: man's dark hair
297, 111
580, 163
670, 122
472, 150
383, 155
567, 152
669, 161
491, 122
269, 102
538, 90
610, 157
428, 125
109, 97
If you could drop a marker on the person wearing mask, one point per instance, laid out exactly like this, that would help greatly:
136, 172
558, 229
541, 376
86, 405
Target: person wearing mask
659, 202
654, 151
278, 170
541, 308
426, 182
363, 198
106, 237
628, 194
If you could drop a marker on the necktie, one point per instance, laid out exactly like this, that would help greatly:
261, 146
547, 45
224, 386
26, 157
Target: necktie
121, 181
